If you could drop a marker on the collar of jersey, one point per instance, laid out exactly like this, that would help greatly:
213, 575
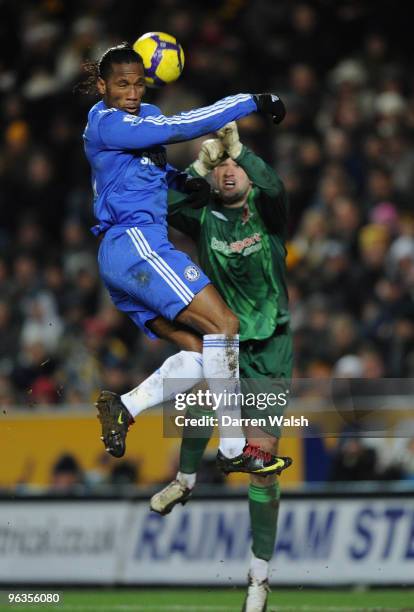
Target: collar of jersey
227, 214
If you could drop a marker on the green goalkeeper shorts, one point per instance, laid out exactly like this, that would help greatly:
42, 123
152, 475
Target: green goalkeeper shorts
266, 368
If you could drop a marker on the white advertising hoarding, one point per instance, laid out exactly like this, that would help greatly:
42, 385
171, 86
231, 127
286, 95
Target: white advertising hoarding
320, 541
61, 541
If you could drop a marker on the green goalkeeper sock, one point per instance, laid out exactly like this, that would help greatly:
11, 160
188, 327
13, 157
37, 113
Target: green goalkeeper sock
264, 509
194, 442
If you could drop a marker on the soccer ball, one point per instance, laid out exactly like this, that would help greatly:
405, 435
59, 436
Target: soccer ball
163, 58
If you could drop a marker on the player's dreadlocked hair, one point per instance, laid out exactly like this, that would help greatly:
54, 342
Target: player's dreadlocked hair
121, 54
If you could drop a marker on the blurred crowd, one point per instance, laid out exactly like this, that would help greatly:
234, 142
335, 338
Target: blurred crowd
345, 152
354, 460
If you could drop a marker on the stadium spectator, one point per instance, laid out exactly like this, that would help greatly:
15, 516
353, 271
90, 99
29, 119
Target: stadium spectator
9, 333
124, 473
404, 463
353, 461
67, 475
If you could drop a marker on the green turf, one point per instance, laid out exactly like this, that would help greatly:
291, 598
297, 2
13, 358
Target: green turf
221, 600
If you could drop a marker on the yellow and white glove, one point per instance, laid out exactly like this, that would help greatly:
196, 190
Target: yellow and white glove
211, 155
229, 137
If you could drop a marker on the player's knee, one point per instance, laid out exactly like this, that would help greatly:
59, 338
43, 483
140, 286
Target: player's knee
195, 345
228, 323
190, 342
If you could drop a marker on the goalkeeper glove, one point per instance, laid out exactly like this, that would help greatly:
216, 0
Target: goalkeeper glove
198, 192
270, 104
211, 155
229, 137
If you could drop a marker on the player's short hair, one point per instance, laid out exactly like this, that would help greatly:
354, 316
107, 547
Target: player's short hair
121, 54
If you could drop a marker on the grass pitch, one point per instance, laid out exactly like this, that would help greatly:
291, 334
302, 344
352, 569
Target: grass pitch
222, 600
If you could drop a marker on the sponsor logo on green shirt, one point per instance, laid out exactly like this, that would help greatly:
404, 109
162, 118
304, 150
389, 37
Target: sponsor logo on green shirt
248, 245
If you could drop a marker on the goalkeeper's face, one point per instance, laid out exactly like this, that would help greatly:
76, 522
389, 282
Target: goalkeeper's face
124, 88
232, 182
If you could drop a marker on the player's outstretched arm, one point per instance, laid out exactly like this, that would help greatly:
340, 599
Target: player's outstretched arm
119, 130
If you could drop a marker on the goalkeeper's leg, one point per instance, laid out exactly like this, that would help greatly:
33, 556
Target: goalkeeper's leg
193, 445
264, 494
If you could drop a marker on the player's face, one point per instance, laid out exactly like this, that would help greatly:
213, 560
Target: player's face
124, 88
232, 182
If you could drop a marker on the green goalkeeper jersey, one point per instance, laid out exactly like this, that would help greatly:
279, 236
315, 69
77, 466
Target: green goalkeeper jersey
242, 250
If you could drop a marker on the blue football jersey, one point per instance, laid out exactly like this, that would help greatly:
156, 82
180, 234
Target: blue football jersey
130, 173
